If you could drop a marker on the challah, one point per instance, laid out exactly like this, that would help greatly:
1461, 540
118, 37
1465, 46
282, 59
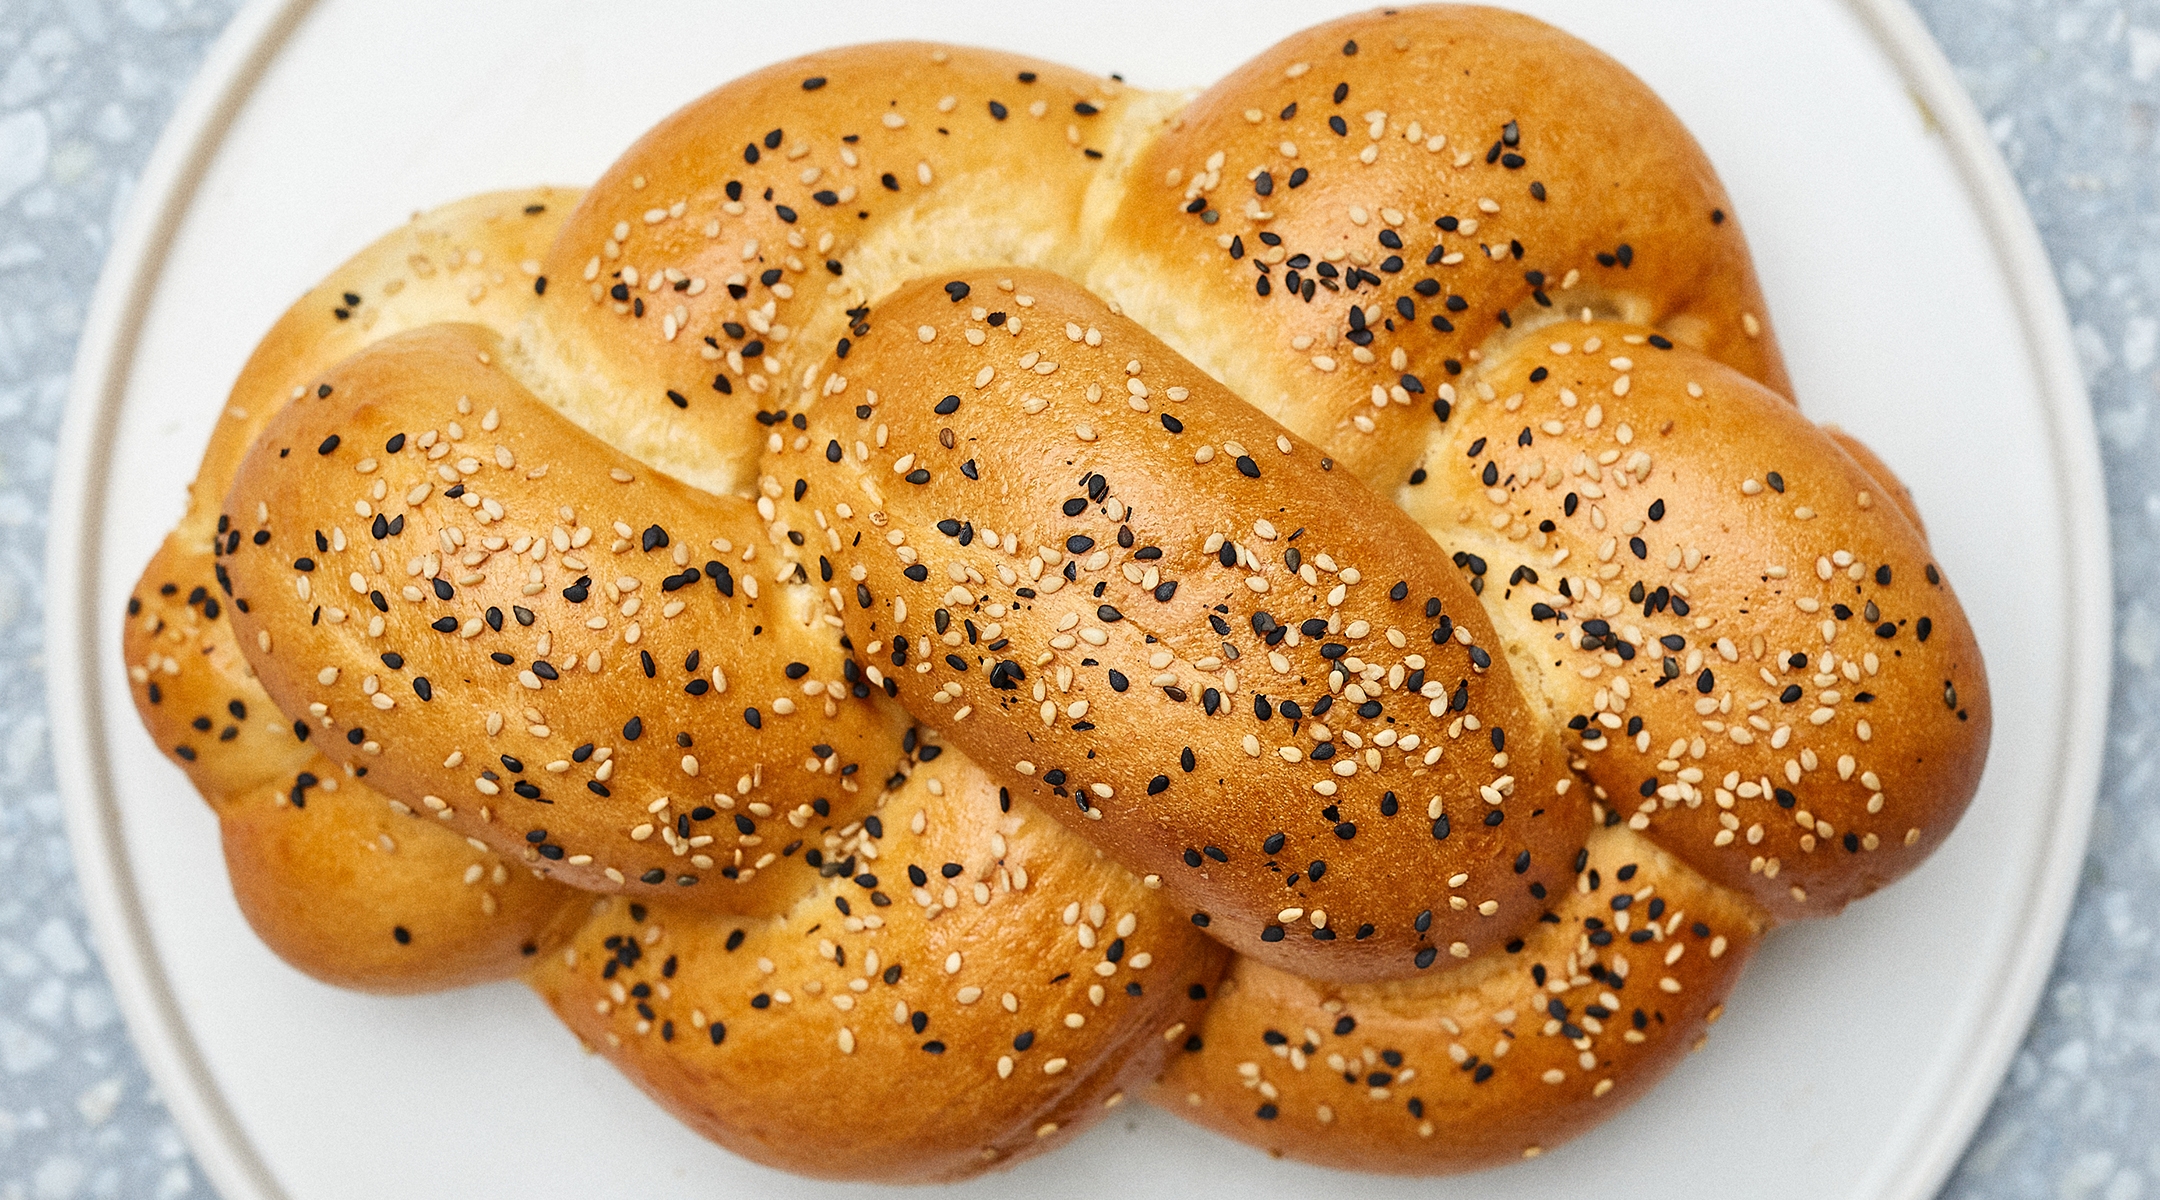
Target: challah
944, 592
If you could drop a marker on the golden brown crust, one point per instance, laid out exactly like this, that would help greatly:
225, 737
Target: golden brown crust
980, 986
1501, 1058
327, 884
199, 696
358, 891
514, 632
1529, 167
469, 260
1760, 662
465, 261
903, 158
196, 693
1239, 670
746, 338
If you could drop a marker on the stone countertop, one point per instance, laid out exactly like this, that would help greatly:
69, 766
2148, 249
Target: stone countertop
2071, 93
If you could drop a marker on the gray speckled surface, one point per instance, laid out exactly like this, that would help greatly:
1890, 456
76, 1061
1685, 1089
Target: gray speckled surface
2071, 91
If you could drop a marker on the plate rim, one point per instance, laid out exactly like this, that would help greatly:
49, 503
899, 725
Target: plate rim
102, 370
2045, 321
156, 1025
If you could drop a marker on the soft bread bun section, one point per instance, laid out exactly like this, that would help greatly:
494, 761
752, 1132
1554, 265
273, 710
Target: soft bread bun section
537, 639
1448, 171
1508, 1055
1238, 668
342, 882
1757, 661
363, 892
982, 987
732, 247
351, 888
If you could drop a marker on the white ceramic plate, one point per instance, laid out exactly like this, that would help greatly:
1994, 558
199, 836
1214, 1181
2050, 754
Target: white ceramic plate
1910, 293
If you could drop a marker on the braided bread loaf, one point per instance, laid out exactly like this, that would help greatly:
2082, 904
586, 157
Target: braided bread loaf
944, 590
